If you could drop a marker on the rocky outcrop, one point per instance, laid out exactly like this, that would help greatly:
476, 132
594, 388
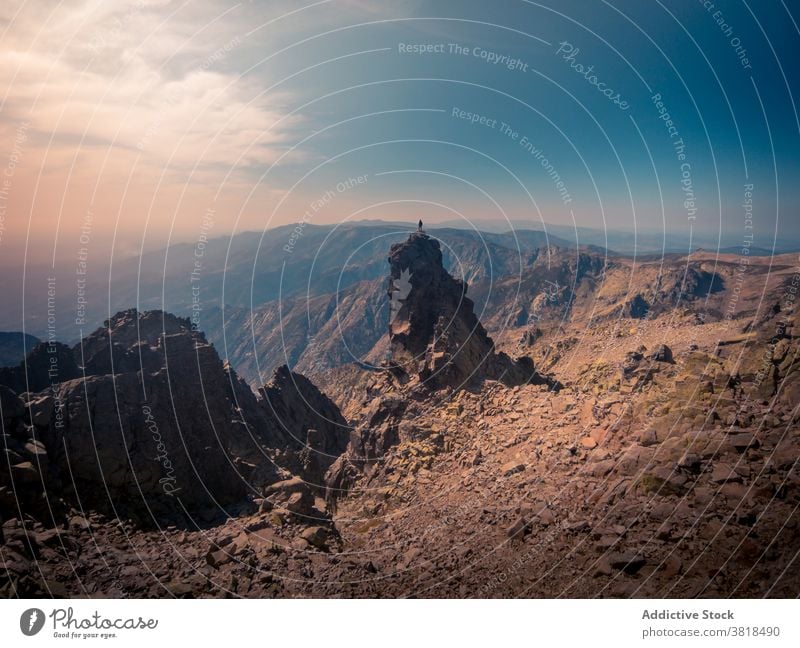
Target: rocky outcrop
636, 308
433, 330
129, 342
304, 423
377, 431
372, 439
438, 346
160, 425
152, 427
25, 471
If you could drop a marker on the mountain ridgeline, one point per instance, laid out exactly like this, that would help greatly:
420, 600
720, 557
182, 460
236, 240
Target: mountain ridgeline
321, 305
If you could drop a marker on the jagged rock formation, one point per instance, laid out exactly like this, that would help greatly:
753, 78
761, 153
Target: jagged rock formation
160, 426
434, 332
155, 434
311, 431
437, 345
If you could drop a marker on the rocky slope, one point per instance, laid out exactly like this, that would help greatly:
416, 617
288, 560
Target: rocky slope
646, 476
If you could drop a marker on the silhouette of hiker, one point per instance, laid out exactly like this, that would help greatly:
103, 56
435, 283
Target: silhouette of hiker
419, 225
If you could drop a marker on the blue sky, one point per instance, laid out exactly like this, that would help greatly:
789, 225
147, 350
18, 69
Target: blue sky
149, 114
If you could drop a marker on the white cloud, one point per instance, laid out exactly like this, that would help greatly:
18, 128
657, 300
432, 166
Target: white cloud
154, 78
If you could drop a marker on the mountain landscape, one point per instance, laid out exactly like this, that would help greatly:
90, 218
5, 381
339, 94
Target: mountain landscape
443, 414
400, 300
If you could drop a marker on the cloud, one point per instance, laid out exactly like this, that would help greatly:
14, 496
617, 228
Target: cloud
150, 79
145, 112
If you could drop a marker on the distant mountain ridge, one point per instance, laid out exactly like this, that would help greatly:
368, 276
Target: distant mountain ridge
556, 288
14, 346
248, 270
315, 301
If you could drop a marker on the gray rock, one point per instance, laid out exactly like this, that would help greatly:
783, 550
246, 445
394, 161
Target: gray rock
316, 536
42, 408
662, 353
724, 473
511, 468
743, 441
630, 563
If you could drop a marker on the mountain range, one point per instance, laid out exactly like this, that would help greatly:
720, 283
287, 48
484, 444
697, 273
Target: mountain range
476, 420
253, 269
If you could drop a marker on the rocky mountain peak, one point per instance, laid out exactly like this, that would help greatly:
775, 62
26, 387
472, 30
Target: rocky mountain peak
133, 340
420, 292
153, 425
433, 330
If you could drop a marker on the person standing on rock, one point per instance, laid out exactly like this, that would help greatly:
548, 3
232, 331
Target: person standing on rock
419, 225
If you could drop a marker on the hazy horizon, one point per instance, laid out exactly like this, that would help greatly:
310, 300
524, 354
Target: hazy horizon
617, 241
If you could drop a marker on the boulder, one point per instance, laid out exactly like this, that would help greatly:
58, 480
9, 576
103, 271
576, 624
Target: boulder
662, 353
25, 473
690, 462
724, 473
293, 494
511, 468
42, 408
649, 437
743, 441
316, 536
630, 563
520, 528
630, 364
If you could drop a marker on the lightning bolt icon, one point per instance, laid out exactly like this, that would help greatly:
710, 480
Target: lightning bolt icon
32, 620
